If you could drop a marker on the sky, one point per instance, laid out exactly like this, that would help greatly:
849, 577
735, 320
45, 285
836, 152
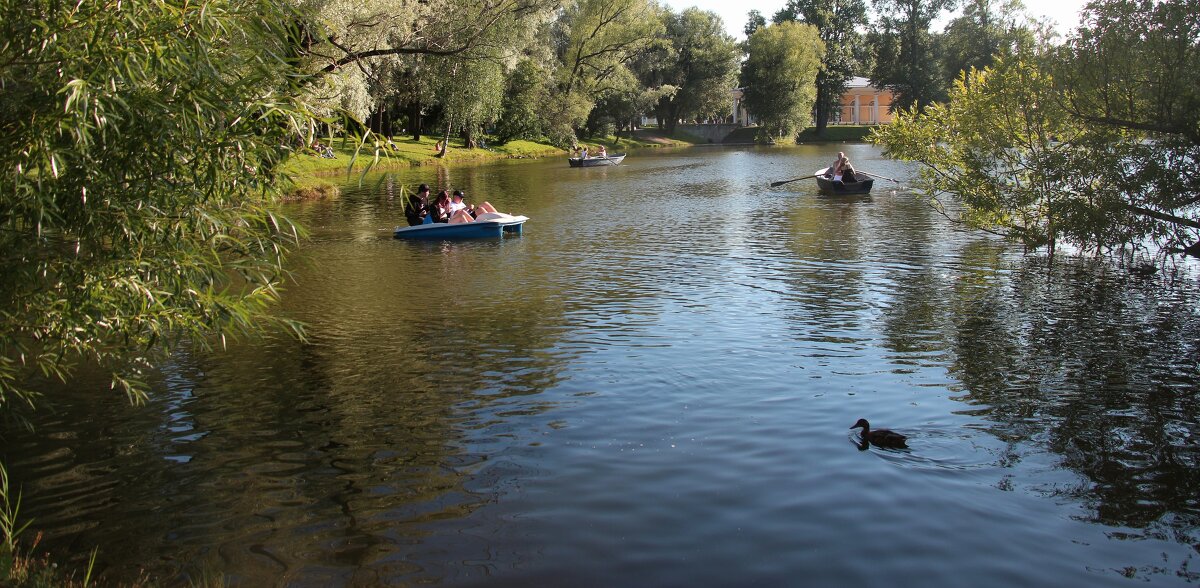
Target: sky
733, 12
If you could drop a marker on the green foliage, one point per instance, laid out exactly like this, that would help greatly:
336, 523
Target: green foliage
524, 97
780, 74
1093, 143
837, 23
701, 65
986, 28
754, 21
11, 526
996, 147
470, 91
907, 53
595, 40
140, 142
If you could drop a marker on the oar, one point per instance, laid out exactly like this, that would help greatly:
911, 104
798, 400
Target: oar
880, 177
774, 184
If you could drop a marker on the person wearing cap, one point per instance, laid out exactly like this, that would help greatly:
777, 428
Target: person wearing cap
469, 213
416, 210
457, 204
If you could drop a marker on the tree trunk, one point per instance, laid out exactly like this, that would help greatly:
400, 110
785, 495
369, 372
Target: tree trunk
446, 139
414, 118
672, 115
822, 113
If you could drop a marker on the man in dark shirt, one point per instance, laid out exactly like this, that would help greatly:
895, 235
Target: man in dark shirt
417, 206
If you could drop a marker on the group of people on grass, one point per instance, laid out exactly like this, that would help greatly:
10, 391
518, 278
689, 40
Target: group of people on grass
445, 208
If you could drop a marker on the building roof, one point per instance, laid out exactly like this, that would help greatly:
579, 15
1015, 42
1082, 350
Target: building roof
858, 82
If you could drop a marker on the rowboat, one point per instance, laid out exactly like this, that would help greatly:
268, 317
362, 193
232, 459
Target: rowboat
595, 161
828, 186
494, 225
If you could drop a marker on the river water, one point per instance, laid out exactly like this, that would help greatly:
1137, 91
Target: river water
653, 387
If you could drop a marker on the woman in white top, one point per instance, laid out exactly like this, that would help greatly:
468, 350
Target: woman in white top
466, 214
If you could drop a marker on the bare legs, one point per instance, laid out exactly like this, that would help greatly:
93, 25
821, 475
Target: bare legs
463, 216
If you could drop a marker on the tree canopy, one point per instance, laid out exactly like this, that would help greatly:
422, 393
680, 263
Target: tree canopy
701, 63
1091, 143
837, 23
906, 51
780, 73
140, 143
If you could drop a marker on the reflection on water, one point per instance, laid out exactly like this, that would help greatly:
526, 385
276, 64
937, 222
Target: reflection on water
653, 386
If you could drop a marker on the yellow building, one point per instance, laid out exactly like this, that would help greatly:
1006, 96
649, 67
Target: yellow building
864, 104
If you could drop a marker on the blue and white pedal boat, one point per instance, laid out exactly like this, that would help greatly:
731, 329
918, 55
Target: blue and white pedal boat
495, 225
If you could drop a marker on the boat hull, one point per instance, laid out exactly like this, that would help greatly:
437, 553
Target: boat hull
832, 188
596, 161
485, 229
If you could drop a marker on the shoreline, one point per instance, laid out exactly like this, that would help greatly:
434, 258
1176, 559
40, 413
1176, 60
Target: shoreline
309, 174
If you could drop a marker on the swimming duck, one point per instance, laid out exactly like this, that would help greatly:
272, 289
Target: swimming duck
880, 437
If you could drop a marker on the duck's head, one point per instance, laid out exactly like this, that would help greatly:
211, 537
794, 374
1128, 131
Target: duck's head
861, 424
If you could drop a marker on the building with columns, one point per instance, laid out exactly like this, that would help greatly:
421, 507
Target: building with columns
864, 104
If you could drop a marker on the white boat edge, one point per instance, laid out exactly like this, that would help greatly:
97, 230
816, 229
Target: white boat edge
474, 226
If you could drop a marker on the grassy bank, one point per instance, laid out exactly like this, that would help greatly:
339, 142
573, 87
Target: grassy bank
836, 134
315, 177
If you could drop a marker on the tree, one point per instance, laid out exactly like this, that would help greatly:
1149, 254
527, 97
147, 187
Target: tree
595, 41
907, 53
837, 24
140, 145
1132, 70
754, 21
374, 54
780, 73
702, 67
524, 96
986, 28
996, 147
1093, 143
470, 92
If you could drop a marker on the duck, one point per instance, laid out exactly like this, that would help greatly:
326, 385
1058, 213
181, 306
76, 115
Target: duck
880, 437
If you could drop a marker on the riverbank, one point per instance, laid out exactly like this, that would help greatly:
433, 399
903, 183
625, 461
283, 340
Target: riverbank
836, 134
314, 176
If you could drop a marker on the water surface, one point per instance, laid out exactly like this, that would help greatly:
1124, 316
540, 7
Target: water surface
652, 387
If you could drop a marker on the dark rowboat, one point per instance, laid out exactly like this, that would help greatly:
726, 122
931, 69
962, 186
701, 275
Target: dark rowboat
595, 161
830, 187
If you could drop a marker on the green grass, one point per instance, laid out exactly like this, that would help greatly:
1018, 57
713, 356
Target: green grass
316, 177
350, 156
836, 134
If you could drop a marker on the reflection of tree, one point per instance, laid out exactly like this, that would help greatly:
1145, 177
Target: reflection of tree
1099, 368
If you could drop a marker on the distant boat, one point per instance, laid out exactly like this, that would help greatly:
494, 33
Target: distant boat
595, 161
828, 186
489, 228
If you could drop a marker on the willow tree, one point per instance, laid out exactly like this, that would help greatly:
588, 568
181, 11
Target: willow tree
780, 76
140, 144
373, 52
595, 41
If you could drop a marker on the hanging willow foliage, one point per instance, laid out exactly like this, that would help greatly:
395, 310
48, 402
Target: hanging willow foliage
140, 143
